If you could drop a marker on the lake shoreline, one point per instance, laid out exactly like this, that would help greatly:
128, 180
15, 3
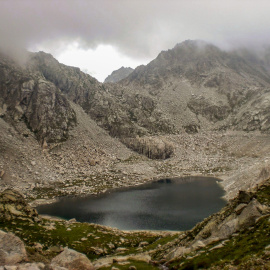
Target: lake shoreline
163, 204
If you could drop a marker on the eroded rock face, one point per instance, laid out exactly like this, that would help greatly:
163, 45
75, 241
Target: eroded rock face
12, 249
121, 112
154, 148
29, 97
213, 112
72, 260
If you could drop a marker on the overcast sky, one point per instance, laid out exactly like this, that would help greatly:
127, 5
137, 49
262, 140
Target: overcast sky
100, 36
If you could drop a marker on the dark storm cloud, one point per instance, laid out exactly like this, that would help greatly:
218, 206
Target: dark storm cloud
139, 28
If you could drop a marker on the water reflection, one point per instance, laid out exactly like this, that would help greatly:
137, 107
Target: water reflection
167, 204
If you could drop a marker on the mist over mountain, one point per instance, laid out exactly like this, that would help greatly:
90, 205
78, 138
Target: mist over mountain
118, 75
193, 110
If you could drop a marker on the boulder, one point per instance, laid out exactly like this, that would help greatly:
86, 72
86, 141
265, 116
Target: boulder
249, 215
72, 260
13, 205
12, 249
244, 196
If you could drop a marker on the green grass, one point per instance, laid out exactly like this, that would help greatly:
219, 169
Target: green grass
137, 264
263, 194
82, 237
238, 250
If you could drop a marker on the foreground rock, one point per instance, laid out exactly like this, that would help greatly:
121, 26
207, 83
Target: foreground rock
71, 260
13, 256
12, 249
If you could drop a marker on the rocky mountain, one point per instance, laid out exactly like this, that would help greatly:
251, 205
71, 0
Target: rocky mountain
193, 86
39, 103
197, 85
192, 105
194, 110
118, 75
122, 113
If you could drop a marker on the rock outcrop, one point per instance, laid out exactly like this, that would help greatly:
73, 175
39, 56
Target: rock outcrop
154, 148
12, 249
13, 256
240, 215
13, 206
29, 97
71, 260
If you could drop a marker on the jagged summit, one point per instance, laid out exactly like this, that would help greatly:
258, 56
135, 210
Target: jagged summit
194, 88
118, 75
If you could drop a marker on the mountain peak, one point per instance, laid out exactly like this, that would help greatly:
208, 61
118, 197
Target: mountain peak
119, 74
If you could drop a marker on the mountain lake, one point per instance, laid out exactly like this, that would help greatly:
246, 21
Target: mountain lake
167, 204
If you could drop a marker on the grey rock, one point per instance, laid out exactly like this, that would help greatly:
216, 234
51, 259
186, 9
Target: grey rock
29, 97
12, 249
72, 260
152, 147
249, 214
30, 266
239, 208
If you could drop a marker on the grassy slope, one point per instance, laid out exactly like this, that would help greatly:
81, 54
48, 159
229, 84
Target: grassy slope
247, 249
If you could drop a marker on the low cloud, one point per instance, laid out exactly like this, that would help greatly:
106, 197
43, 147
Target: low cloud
138, 28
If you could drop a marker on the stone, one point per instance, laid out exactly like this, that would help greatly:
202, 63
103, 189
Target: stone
72, 260
178, 252
92, 162
2, 173
30, 266
9, 267
121, 249
197, 245
226, 228
244, 197
72, 220
249, 214
38, 247
55, 249
240, 207
97, 250
143, 244
12, 249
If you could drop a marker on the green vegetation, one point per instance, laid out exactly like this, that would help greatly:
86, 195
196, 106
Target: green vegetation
239, 250
137, 264
247, 249
93, 240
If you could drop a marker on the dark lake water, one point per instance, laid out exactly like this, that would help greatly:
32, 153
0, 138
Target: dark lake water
169, 204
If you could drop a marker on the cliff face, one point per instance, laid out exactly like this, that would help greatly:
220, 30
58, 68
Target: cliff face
122, 113
173, 107
191, 87
30, 97
118, 75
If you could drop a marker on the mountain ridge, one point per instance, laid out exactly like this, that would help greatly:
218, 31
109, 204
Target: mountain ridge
118, 75
166, 110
